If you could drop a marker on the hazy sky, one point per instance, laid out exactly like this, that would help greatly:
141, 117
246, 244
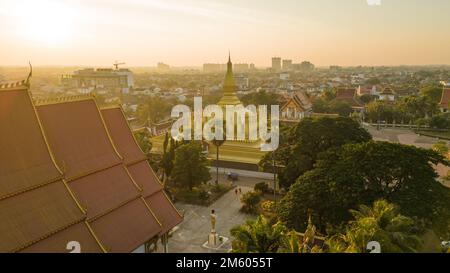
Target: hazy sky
192, 32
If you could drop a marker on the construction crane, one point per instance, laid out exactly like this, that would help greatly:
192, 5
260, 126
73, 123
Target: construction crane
116, 64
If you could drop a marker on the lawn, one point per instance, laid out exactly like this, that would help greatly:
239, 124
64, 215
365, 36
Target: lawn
203, 195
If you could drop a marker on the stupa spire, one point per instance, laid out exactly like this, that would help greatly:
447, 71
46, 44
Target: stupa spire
229, 86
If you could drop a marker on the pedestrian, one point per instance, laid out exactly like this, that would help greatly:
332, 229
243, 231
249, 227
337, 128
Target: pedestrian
240, 191
236, 191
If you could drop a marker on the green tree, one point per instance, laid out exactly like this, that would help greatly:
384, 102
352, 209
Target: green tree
257, 236
373, 81
261, 98
367, 98
168, 157
381, 111
341, 108
190, 166
441, 121
301, 145
356, 174
154, 110
434, 93
381, 223
143, 139
416, 107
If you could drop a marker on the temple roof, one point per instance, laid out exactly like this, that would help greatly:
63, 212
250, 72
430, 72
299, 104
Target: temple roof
62, 178
349, 95
35, 204
140, 170
97, 175
445, 99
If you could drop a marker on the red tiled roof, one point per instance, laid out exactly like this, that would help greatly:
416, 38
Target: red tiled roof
25, 160
34, 202
57, 242
117, 214
33, 215
345, 93
445, 99
77, 137
126, 228
144, 176
120, 133
101, 191
140, 170
167, 215
348, 95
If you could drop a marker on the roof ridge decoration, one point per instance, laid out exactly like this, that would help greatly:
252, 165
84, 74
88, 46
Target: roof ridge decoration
63, 99
15, 84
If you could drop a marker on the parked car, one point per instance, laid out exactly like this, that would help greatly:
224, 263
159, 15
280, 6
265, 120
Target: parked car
233, 176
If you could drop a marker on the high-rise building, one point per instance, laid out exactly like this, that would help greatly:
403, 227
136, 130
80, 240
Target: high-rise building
163, 66
241, 67
213, 68
287, 65
276, 63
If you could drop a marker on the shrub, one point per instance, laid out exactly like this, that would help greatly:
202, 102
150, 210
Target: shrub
261, 187
268, 206
250, 201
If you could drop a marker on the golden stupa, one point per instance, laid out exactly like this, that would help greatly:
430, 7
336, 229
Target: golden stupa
247, 153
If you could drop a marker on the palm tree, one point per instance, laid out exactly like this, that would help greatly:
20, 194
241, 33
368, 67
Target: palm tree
257, 236
381, 223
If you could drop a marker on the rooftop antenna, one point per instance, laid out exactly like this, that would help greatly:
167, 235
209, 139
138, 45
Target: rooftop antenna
116, 64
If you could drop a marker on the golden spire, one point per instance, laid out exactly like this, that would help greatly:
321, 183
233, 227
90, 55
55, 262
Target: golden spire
229, 87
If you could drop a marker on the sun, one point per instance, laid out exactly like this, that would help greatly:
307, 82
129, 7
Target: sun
47, 22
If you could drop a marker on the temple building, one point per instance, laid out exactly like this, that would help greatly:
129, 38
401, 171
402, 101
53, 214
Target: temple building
70, 172
296, 108
233, 154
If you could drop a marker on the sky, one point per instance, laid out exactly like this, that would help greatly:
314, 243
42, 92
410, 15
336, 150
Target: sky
193, 32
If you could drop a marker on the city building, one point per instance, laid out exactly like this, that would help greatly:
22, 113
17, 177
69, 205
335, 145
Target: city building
276, 63
163, 67
284, 76
241, 81
241, 67
287, 65
90, 79
213, 68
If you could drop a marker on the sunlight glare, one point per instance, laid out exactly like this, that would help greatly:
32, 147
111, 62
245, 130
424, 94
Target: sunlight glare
47, 22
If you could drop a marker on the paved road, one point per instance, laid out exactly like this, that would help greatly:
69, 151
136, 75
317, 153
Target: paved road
193, 231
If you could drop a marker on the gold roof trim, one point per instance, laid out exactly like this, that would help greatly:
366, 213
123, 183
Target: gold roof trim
47, 101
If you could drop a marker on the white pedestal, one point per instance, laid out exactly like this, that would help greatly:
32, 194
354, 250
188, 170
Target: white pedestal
213, 239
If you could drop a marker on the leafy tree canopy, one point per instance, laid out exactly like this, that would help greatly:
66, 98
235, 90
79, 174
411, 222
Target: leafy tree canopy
190, 166
257, 236
356, 174
301, 145
381, 223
